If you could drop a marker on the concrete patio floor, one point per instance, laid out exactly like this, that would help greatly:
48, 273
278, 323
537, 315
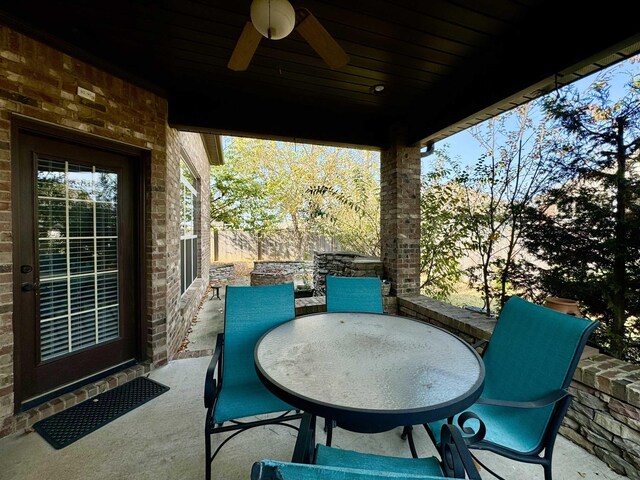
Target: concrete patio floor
163, 439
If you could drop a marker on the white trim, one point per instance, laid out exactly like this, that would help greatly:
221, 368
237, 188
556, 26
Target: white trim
66, 213
80, 200
77, 275
184, 181
95, 263
99, 309
41, 239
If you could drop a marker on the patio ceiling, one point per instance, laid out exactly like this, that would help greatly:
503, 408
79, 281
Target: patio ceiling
446, 64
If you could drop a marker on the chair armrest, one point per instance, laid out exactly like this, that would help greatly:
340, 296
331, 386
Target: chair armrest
456, 459
211, 386
306, 441
548, 399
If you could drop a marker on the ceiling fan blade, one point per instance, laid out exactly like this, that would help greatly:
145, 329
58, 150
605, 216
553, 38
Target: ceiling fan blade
322, 42
245, 48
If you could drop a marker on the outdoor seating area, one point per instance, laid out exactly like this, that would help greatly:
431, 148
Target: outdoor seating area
255, 427
343, 366
226, 257
164, 439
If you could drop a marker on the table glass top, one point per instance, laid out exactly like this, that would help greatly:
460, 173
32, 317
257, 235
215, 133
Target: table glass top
368, 361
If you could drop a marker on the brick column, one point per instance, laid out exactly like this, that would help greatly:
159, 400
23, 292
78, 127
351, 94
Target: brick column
400, 215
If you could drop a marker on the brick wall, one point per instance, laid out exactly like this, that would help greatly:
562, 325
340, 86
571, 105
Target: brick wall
400, 216
39, 82
182, 308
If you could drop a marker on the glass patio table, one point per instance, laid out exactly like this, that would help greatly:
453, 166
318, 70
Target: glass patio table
369, 372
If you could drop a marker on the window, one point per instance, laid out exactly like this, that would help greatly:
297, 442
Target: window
78, 254
188, 235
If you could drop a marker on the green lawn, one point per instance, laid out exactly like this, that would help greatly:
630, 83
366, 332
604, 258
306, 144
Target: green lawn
464, 295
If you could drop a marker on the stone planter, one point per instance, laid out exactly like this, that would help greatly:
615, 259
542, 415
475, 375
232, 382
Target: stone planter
564, 305
270, 278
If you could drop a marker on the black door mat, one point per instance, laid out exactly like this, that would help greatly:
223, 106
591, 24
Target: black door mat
70, 425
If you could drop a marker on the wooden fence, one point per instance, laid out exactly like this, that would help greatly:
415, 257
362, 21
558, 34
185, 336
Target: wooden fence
241, 246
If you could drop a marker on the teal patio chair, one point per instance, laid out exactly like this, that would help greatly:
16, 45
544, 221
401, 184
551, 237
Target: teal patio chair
529, 362
232, 389
354, 294
328, 463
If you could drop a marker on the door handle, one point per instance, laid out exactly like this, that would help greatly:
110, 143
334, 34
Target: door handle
30, 287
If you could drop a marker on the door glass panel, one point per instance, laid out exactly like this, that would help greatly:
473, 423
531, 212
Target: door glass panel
107, 253
107, 290
54, 337
51, 179
52, 220
81, 218
53, 258
83, 330
107, 324
106, 220
106, 187
54, 300
80, 180
83, 295
78, 254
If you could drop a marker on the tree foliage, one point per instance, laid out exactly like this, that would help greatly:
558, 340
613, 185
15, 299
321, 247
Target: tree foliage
444, 229
274, 183
589, 243
350, 212
508, 177
239, 201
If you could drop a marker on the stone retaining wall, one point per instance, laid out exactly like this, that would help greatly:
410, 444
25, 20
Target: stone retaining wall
221, 272
604, 417
305, 306
293, 266
275, 272
343, 264
270, 278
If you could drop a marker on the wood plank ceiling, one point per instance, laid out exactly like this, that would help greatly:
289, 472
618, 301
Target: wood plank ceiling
445, 64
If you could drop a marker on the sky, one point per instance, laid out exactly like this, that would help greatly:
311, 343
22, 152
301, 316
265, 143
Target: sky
466, 149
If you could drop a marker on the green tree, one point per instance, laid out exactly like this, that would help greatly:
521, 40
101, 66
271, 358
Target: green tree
508, 176
350, 211
590, 241
444, 228
285, 173
239, 201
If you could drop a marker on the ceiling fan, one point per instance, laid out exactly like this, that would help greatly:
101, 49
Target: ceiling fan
275, 19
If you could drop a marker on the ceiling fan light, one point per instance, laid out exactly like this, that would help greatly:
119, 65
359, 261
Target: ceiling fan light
274, 19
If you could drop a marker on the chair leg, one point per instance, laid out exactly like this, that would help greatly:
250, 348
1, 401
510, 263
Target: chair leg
408, 432
207, 456
329, 425
547, 471
431, 436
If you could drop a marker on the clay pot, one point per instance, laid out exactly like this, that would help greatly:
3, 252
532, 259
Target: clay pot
564, 305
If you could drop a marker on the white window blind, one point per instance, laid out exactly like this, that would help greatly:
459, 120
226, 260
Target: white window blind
77, 221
